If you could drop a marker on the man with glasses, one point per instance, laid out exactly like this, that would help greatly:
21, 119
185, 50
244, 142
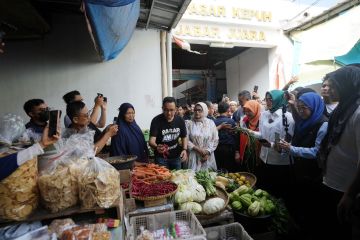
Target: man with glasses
165, 131
80, 123
38, 112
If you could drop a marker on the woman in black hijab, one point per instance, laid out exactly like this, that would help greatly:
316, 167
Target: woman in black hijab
340, 152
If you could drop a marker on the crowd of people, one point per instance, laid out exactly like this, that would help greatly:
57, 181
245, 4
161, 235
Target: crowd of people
308, 143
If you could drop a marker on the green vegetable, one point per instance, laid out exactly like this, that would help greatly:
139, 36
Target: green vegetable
236, 205
254, 209
265, 194
234, 197
250, 156
232, 186
261, 193
245, 199
258, 192
269, 207
263, 202
242, 190
203, 177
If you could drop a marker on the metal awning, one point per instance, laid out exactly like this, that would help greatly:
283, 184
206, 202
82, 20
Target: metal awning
161, 14
23, 19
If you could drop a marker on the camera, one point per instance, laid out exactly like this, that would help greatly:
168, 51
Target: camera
102, 95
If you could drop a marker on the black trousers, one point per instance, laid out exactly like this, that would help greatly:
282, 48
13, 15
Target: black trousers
225, 157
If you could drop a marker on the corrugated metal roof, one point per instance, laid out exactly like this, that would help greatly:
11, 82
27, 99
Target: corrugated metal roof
161, 14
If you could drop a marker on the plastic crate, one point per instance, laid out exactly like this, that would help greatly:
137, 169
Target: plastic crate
228, 231
160, 220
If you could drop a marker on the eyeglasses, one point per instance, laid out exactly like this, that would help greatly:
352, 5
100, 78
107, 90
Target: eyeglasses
85, 114
302, 108
198, 110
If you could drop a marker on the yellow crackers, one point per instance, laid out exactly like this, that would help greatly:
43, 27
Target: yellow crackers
59, 188
19, 194
99, 184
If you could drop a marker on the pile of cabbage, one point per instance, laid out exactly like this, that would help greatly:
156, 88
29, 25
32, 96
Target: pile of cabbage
190, 194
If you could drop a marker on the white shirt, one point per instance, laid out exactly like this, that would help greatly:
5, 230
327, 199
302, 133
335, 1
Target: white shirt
331, 107
267, 131
344, 158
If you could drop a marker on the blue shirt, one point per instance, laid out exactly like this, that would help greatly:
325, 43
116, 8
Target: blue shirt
225, 137
310, 153
8, 165
35, 127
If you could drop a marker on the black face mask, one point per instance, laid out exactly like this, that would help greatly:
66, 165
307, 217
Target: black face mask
44, 116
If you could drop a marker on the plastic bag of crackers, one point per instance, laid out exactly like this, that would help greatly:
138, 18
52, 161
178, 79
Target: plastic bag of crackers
99, 184
58, 186
58, 181
19, 194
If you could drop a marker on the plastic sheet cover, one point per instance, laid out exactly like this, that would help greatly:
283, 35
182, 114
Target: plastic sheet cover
112, 24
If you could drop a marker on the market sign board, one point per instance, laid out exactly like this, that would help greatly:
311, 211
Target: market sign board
229, 23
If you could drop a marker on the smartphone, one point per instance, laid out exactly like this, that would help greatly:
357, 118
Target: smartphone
115, 120
105, 99
263, 140
54, 117
256, 87
277, 138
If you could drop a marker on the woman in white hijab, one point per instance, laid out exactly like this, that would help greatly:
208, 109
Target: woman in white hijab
202, 139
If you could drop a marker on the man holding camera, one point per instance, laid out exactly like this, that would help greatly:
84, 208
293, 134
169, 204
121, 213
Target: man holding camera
99, 108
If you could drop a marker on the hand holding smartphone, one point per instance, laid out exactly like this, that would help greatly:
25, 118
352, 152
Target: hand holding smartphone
277, 138
54, 122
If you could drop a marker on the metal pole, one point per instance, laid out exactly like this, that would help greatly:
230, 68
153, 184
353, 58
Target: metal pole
169, 63
164, 82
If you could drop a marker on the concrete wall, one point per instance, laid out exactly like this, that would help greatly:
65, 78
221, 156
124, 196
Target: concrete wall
66, 60
246, 70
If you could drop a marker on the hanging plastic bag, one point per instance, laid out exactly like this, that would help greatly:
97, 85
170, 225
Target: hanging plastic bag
11, 128
58, 181
99, 184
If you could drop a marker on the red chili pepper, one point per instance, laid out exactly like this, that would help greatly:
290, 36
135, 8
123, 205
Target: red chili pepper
155, 189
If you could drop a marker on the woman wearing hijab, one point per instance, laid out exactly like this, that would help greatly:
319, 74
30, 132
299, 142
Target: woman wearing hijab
274, 171
340, 152
310, 129
129, 140
252, 111
202, 139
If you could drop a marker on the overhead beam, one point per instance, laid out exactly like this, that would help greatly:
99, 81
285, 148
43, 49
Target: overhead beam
327, 15
149, 16
180, 14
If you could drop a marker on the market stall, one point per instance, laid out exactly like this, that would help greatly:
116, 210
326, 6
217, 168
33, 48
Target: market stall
72, 194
